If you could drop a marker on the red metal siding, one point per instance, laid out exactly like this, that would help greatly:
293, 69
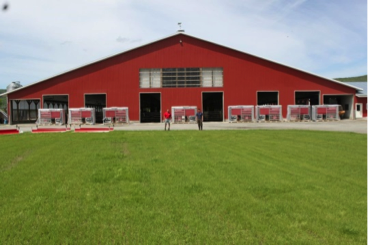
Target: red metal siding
243, 76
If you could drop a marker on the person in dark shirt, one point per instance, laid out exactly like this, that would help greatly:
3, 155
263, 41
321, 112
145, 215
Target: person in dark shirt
167, 117
199, 117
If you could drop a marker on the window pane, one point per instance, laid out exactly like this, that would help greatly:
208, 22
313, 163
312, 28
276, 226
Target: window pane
181, 83
168, 83
217, 77
206, 77
156, 78
168, 72
144, 78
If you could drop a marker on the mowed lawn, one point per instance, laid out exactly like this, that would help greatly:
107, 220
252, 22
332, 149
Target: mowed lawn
184, 187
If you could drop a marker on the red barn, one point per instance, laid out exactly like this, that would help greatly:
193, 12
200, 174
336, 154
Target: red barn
179, 70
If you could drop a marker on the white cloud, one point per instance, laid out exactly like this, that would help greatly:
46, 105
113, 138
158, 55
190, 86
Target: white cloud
42, 38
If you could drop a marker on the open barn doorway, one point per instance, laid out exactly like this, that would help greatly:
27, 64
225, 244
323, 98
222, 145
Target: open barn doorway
24, 111
98, 102
150, 107
212, 106
346, 111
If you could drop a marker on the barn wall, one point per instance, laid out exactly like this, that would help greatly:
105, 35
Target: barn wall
243, 76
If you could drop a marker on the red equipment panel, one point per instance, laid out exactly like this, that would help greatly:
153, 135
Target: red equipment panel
331, 110
246, 110
86, 114
264, 111
120, 112
304, 110
110, 113
274, 110
75, 113
55, 114
294, 110
236, 111
321, 110
45, 115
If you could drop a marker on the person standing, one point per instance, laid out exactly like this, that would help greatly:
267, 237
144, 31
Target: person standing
167, 116
199, 117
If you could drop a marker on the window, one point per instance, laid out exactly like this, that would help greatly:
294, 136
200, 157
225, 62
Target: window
212, 77
150, 78
180, 77
207, 77
217, 77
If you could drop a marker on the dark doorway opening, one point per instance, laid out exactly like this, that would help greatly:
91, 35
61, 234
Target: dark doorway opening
98, 102
57, 101
328, 100
24, 111
345, 101
267, 98
212, 106
150, 104
307, 98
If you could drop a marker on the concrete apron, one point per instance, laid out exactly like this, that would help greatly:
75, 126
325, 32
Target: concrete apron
357, 126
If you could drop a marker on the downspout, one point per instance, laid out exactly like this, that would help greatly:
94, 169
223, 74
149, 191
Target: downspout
9, 112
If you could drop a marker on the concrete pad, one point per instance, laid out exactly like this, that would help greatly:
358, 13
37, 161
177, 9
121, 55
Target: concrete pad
357, 126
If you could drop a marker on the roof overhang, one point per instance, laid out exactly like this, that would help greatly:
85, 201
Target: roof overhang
177, 34
361, 95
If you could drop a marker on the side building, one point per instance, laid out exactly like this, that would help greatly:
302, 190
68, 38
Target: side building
179, 70
361, 99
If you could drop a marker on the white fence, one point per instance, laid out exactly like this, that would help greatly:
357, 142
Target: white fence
268, 113
184, 114
115, 115
82, 116
241, 113
325, 112
299, 113
51, 116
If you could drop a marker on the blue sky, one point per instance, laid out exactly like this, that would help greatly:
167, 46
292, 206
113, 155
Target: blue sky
42, 38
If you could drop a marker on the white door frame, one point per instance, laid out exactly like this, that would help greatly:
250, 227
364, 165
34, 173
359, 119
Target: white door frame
359, 114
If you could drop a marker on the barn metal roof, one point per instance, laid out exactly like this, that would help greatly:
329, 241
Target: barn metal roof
177, 34
363, 85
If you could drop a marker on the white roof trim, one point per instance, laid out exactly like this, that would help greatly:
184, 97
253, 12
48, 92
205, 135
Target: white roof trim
361, 95
175, 34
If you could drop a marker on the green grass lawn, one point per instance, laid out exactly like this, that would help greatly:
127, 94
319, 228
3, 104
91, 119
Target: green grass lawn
184, 187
